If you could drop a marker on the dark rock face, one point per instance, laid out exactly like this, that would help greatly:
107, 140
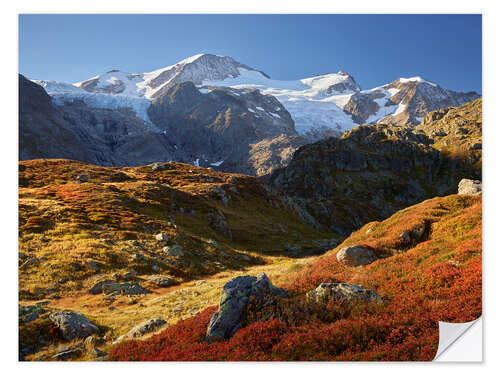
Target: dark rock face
94, 135
235, 297
223, 125
368, 174
43, 131
362, 105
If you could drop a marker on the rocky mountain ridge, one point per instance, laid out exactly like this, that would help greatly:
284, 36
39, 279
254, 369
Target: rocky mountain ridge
223, 128
373, 171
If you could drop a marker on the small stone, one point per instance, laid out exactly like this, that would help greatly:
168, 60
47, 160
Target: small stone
173, 251
162, 237
93, 265
81, 178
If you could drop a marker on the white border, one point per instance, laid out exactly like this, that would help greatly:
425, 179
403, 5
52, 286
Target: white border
8, 146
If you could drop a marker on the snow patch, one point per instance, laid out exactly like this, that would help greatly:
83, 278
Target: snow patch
416, 79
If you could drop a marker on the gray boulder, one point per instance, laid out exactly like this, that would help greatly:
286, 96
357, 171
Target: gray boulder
145, 327
123, 288
73, 324
161, 281
112, 287
97, 287
235, 297
358, 255
341, 292
470, 187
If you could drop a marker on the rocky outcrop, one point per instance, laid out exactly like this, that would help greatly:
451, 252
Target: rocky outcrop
342, 292
353, 256
457, 131
416, 97
470, 187
73, 325
235, 296
368, 174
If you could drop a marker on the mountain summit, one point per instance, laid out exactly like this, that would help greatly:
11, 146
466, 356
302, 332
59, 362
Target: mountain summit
321, 106
196, 69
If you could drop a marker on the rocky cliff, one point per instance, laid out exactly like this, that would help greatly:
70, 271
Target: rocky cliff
369, 173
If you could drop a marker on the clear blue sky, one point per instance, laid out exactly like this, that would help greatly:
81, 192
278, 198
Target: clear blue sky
375, 49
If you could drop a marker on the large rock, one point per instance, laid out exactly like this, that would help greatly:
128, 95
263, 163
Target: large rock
73, 324
161, 281
470, 187
145, 327
342, 292
113, 287
235, 297
123, 288
358, 255
97, 287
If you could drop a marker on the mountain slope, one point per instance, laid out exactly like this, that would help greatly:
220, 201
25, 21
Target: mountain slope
438, 278
72, 213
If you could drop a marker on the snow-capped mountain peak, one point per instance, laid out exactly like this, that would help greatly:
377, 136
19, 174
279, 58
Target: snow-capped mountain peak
319, 105
197, 69
416, 79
